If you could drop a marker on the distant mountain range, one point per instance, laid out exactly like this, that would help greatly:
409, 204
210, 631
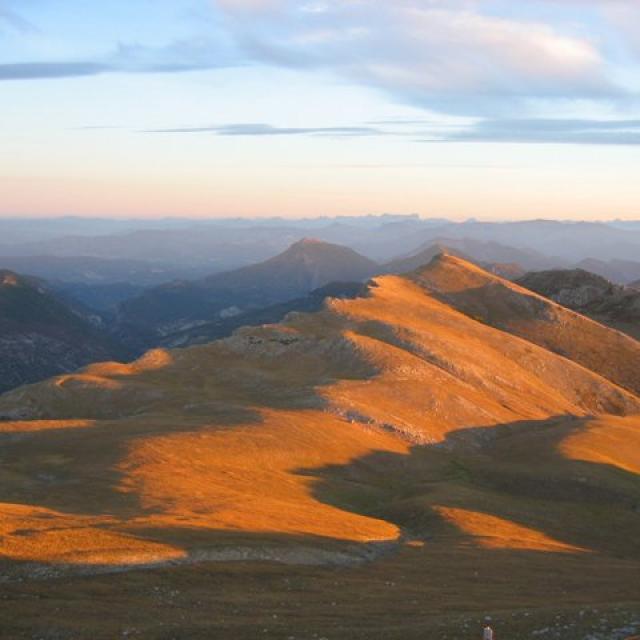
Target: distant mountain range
222, 300
564, 242
215, 305
304, 266
618, 271
228, 244
490, 255
112, 298
100, 271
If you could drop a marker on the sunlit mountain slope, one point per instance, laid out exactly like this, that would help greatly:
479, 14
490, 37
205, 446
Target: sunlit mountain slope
446, 418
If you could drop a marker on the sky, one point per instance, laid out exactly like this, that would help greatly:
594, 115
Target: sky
491, 109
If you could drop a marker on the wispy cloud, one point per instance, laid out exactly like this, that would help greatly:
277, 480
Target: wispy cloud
450, 56
15, 21
33, 70
176, 57
548, 131
476, 58
262, 129
531, 130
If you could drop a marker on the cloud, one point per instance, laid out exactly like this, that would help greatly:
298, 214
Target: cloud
176, 57
472, 58
15, 21
262, 129
32, 70
549, 131
444, 55
507, 130
625, 16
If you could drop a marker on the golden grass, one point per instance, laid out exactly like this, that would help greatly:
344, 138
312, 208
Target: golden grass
607, 441
310, 434
150, 361
26, 426
247, 478
492, 532
34, 534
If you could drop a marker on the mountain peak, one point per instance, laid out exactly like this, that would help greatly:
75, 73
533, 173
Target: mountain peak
309, 241
325, 255
304, 266
456, 266
306, 245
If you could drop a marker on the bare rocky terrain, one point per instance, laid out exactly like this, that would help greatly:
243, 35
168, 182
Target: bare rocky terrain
592, 295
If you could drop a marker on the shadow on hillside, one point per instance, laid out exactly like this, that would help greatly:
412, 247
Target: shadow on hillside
44, 468
513, 472
496, 304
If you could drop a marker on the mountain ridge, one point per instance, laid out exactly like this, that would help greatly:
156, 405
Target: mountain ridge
306, 265
433, 426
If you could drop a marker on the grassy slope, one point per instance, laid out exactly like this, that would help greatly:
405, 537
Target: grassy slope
305, 442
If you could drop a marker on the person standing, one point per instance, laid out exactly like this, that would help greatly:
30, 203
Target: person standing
487, 633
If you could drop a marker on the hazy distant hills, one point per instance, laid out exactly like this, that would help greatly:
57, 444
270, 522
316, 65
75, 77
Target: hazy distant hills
567, 241
619, 271
104, 264
170, 282
102, 298
222, 300
421, 257
98, 283
19, 230
304, 266
485, 253
216, 247
217, 244
41, 336
99, 271
227, 244
149, 281
591, 295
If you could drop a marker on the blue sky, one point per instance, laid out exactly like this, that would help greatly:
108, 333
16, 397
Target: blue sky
461, 108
